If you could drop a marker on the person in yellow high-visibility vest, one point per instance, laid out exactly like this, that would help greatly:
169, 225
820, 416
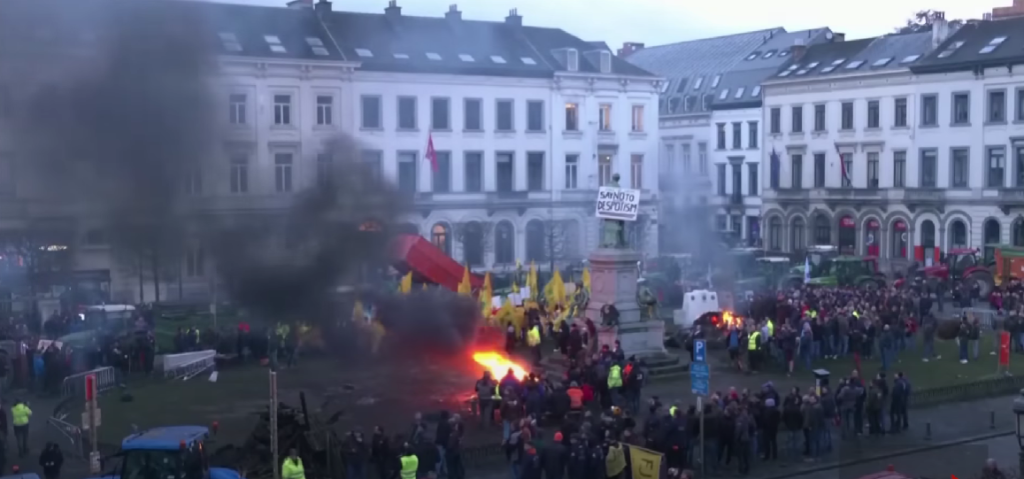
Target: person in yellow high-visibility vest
410, 463
754, 349
615, 382
20, 415
533, 340
292, 466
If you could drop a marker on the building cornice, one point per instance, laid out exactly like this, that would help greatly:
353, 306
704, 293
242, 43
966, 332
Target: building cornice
844, 82
263, 67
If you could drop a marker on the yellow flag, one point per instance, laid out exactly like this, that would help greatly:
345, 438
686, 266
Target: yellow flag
531, 281
506, 313
465, 288
358, 315
406, 285
645, 463
487, 284
515, 288
554, 291
485, 296
586, 279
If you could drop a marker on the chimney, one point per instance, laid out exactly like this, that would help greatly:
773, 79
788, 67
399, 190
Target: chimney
987, 16
322, 6
940, 29
513, 18
453, 13
628, 48
798, 49
838, 37
393, 12
1015, 10
300, 4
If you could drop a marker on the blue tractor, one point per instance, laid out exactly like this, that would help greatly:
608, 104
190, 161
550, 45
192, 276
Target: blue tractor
162, 452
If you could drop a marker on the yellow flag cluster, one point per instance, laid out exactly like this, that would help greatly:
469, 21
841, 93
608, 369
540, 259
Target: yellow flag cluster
486, 291
554, 291
531, 281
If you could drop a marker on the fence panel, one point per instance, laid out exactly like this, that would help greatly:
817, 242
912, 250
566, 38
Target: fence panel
74, 385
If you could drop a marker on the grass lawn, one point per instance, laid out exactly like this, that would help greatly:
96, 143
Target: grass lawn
935, 373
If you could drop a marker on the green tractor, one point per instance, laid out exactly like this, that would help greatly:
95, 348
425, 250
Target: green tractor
858, 271
774, 270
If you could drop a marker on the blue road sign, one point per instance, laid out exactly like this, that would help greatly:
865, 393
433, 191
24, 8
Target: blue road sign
700, 376
699, 355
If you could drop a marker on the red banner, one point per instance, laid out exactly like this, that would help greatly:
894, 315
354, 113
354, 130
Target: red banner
1004, 349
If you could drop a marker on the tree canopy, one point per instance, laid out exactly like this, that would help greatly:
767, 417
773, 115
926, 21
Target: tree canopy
923, 20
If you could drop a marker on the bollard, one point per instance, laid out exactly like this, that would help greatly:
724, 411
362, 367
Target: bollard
992, 419
928, 431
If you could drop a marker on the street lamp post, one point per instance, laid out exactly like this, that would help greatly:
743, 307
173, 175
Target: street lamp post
1018, 410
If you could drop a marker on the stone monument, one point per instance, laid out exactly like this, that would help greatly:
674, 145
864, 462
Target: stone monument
613, 282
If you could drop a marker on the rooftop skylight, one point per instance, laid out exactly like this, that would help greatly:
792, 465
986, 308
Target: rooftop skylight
724, 94
793, 67
783, 53
881, 62
829, 69
320, 51
433, 56
838, 62
275, 43
992, 45
697, 84
753, 56
756, 91
785, 73
402, 56
529, 61
854, 65
230, 42
769, 54
802, 72
317, 45
714, 82
364, 53
951, 49
813, 65
910, 58
466, 58
497, 59
739, 93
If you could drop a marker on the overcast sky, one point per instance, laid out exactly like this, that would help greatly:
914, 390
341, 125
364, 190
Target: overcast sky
656, 22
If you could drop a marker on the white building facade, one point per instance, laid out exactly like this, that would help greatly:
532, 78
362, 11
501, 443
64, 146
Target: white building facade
882, 154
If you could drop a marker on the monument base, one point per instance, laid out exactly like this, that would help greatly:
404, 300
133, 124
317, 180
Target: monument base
642, 339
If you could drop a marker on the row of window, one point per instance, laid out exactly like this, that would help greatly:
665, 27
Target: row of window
995, 170
441, 178
538, 247
407, 117
687, 159
996, 112
737, 179
737, 135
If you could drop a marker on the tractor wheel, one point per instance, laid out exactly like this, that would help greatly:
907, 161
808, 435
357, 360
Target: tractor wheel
985, 283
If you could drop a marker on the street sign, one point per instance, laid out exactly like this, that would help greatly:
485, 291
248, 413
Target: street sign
86, 424
699, 355
700, 375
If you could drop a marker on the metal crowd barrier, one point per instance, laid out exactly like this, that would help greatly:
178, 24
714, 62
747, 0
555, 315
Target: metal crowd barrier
74, 385
192, 368
70, 431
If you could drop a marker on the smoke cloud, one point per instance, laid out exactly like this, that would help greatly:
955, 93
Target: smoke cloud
114, 127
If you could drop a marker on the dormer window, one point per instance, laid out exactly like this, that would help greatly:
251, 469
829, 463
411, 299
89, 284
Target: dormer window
706, 102
230, 42
572, 60
690, 103
606, 62
274, 42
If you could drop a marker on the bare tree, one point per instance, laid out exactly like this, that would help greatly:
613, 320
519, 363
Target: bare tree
923, 20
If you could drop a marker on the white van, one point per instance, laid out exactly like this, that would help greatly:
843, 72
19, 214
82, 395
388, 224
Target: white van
696, 303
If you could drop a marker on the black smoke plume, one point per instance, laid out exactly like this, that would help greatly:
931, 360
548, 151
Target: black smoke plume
435, 320
118, 124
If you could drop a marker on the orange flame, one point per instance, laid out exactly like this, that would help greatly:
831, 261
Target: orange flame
727, 318
499, 365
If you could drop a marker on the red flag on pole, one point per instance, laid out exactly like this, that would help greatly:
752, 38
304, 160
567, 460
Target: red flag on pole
431, 153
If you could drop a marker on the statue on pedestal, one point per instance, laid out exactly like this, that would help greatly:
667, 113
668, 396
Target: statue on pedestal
647, 301
613, 232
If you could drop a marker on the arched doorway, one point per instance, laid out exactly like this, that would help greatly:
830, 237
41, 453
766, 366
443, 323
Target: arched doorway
926, 248
535, 241
473, 244
822, 231
798, 235
957, 234
775, 233
900, 240
847, 235
1017, 231
504, 243
872, 239
441, 237
991, 234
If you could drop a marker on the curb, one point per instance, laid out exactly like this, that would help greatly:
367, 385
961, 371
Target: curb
888, 455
